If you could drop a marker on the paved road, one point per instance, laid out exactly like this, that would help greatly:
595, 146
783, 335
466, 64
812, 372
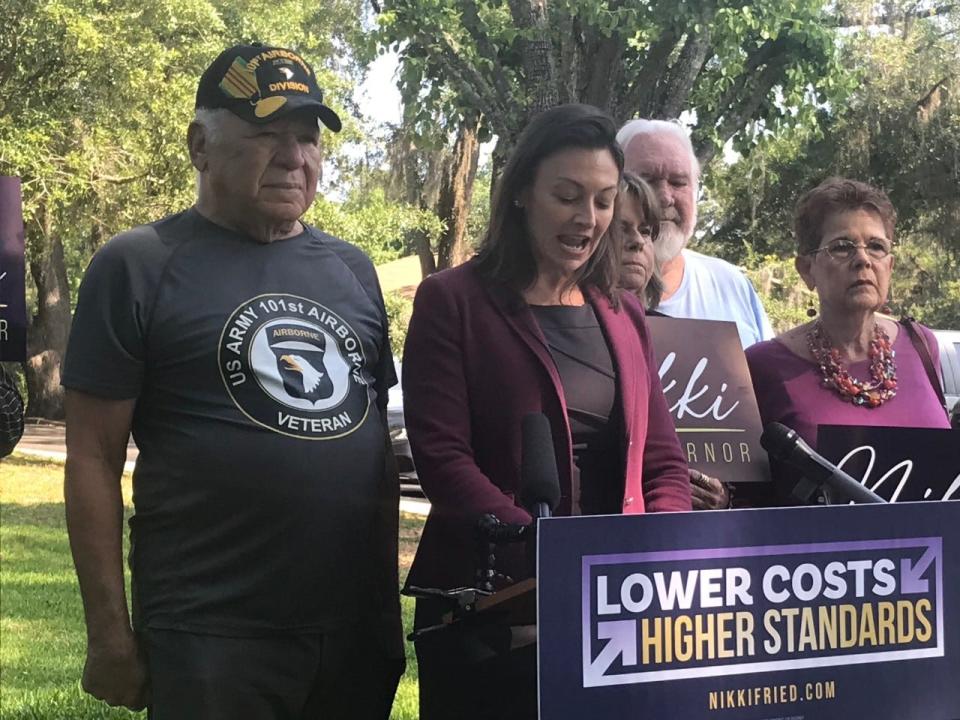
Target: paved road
46, 439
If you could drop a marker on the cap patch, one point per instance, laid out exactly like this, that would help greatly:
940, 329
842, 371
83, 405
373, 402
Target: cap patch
268, 106
240, 81
260, 84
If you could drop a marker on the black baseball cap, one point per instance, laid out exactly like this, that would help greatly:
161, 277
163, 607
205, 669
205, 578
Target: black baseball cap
260, 84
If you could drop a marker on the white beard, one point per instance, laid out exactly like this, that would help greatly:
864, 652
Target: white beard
669, 243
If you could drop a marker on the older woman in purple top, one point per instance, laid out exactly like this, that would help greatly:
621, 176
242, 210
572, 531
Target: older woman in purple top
851, 365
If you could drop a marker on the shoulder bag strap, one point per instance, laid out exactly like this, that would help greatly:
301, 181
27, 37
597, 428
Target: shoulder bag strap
923, 350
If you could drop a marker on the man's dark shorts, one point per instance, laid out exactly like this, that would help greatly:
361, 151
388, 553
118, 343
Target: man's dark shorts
288, 677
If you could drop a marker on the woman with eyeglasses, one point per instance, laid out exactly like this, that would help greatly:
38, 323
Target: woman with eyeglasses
849, 365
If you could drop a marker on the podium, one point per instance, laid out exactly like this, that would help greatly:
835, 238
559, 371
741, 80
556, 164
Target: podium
514, 605
482, 657
819, 612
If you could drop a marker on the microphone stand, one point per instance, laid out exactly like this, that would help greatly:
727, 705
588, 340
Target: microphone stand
819, 478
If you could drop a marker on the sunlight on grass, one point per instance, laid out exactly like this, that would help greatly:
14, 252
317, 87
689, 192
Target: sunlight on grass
41, 618
29, 481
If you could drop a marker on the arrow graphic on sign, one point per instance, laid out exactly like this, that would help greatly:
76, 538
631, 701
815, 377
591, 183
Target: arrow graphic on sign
622, 641
911, 575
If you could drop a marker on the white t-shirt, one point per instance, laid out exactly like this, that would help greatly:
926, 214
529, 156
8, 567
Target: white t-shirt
713, 289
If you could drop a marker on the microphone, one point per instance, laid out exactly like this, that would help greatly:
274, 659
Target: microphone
539, 481
491, 529
785, 445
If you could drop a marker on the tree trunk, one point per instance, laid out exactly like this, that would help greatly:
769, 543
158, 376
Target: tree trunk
638, 101
605, 73
674, 89
539, 68
498, 160
428, 263
49, 330
453, 206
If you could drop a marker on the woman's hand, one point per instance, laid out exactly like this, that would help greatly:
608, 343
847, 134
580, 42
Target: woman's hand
707, 492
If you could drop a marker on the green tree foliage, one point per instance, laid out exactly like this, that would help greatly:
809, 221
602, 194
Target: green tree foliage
899, 130
374, 224
785, 297
399, 311
732, 61
89, 105
474, 69
86, 89
96, 97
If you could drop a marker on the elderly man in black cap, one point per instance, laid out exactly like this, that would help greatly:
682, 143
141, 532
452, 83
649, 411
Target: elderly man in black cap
248, 354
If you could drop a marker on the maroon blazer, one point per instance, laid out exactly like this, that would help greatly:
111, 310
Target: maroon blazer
475, 362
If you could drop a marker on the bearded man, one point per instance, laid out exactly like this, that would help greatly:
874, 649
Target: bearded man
696, 286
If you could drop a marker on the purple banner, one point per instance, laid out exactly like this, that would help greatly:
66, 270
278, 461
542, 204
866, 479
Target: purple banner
815, 613
13, 306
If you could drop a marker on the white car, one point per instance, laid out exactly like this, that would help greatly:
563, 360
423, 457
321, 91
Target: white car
949, 342
409, 483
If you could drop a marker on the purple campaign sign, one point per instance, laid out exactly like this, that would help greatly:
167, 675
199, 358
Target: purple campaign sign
823, 612
13, 313
911, 582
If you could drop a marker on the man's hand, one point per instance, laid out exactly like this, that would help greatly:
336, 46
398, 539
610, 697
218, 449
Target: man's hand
116, 672
707, 492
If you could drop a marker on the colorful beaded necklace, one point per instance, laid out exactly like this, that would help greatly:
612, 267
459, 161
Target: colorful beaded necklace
883, 368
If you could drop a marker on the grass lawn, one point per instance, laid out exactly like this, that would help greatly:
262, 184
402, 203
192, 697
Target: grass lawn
42, 639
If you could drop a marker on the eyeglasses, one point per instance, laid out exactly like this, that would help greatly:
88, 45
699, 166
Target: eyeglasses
843, 250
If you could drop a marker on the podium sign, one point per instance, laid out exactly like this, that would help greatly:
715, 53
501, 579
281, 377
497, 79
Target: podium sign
821, 613
708, 389
898, 464
13, 312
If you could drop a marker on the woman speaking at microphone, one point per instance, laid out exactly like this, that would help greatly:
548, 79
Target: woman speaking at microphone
850, 365
533, 324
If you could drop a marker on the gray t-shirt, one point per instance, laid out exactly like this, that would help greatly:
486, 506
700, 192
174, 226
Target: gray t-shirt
261, 374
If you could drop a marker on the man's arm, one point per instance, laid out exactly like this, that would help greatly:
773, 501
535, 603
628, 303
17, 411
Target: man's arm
97, 434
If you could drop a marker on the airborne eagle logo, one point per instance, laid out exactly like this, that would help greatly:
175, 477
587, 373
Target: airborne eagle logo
294, 366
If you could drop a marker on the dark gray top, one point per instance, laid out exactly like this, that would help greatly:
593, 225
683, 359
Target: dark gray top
260, 373
583, 360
